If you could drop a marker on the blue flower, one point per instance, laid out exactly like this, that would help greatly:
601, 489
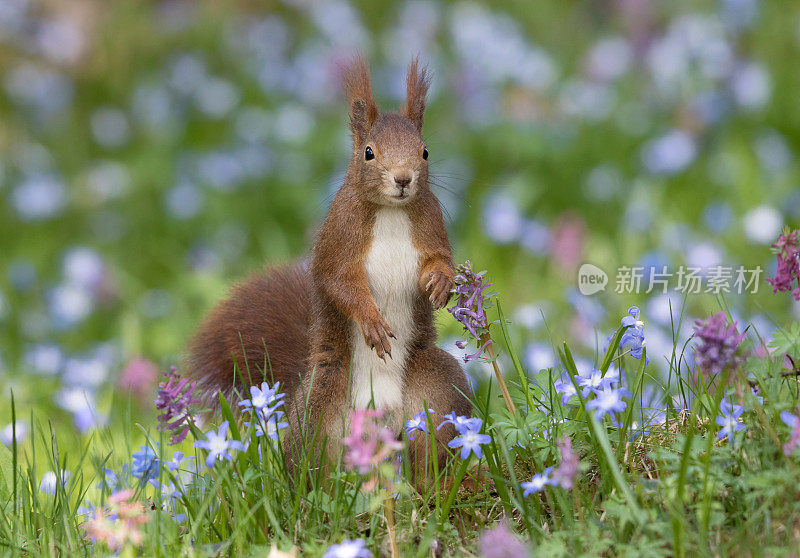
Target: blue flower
566, 388
261, 399
755, 394
348, 549
218, 446
634, 334
652, 411
167, 489
50, 481
596, 381
417, 424
111, 480
177, 460
145, 463
537, 482
268, 423
729, 420
790, 420
470, 441
608, 400
461, 423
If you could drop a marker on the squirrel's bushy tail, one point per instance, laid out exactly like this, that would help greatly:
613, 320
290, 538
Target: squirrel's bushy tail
260, 332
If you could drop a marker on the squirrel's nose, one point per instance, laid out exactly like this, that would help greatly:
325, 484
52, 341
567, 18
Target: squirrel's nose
402, 180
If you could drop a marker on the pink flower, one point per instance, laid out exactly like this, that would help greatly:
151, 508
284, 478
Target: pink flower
139, 377
564, 476
501, 542
793, 422
369, 442
566, 246
117, 525
787, 249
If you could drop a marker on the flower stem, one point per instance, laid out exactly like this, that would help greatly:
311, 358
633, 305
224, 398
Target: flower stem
451, 496
500, 381
388, 505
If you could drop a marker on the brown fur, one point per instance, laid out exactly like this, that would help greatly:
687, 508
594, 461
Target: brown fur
417, 84
260, 331
358, 89
303, 318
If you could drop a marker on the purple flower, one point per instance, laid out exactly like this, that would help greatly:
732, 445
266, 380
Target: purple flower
634, 334
718, 344
500, 542
368, 442
469, 308
218, 445
787, 249
537, 483
470, 441
348, 549
793, 422
461, 423
418, 424
564, 475
729, 420
608, 400
173, 400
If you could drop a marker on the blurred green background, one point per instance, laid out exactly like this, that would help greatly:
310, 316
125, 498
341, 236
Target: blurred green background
151, 153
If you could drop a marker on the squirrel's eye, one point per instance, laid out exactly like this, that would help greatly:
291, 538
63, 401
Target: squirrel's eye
425, 153
368, 154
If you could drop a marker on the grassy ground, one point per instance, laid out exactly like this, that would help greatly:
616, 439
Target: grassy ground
656, 480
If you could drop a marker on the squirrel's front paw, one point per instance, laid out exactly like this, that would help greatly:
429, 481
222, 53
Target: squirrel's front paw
438, 288
376, 334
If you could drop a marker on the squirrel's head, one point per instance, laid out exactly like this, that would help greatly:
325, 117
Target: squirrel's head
390, 159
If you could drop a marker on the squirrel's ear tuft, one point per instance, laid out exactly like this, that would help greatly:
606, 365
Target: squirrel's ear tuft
417, 84
358, 89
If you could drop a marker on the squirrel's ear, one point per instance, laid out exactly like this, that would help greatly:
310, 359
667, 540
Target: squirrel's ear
417, 84
358, 89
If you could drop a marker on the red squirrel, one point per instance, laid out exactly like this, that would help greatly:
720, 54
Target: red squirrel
355, 327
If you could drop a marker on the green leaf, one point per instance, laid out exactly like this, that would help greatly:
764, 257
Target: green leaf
228, 414
6, 474
787, 341
612, 348
599, 434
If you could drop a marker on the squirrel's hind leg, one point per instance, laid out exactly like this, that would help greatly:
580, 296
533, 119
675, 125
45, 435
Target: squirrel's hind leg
316, 421
433, 377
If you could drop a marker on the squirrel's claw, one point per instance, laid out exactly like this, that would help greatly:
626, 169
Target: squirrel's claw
376, 335
438, 289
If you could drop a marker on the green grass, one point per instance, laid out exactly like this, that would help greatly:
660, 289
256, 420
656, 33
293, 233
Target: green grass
675, 491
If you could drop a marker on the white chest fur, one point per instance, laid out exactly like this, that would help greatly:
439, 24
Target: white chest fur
392, 269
